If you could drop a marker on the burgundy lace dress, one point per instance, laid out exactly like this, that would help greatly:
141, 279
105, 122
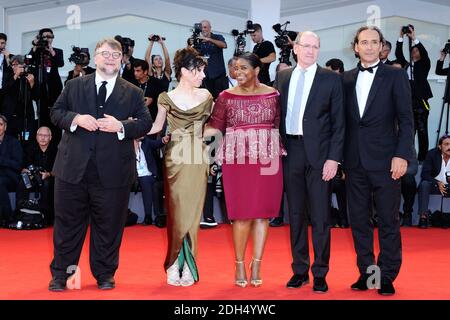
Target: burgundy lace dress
250, 153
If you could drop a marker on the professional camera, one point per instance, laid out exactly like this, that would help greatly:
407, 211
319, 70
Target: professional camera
447, 47
405, 29
33, 175
126, 44
240, 37
194, 40
156, 38
282, 41
28, 67
217, 170
79, 56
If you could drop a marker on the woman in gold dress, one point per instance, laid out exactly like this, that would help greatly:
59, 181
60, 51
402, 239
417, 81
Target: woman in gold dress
186, 109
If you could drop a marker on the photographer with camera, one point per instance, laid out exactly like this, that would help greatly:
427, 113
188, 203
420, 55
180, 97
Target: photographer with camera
440, 70
265, 51
20, 91
5, 65
159, 70
126, 69
47, 59
417, 69
143, 81
435, 177
11, 157
37, 177
81, 58
211, 47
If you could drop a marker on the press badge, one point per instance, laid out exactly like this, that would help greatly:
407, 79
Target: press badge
48, 69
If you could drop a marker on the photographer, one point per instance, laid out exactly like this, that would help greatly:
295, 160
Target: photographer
417, 70
159, 70
11, 157
211, 48
51, 86
385, 51
20, 91
126, 70
5, 65
265, 51
435, 169
81, 58
440, 70
141, 69
40, 157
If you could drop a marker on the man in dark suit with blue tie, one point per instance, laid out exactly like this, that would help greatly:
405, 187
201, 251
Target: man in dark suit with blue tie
312, 127
95, 166
378, 144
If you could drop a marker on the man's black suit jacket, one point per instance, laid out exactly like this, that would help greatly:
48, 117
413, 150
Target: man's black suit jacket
385, 129
432, 165
11, 158
324, 117
421, 87
115, 159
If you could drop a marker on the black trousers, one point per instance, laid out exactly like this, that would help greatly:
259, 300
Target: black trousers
77, 205
409, 190
303, 185
421, 126
7, 184
361, 184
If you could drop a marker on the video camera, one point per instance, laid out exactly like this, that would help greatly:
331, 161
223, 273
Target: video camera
282, 41
156, 38
40, 42
194, 41
126, 43
447, 47
80, 56
240, 37
33, 175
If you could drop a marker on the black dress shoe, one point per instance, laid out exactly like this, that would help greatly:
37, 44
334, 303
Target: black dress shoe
148, 220
57, 285
320, 285
386, 288
407, 219
160, 221
361, 283
106, 284
298, 280
276, 222
423, 222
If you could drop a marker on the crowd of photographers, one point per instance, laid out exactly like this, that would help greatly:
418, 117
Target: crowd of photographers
30, 85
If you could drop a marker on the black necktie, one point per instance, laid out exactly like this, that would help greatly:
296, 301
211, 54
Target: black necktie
369, 69
101, 97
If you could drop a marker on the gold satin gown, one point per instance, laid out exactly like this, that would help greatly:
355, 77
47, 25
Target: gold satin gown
185, 179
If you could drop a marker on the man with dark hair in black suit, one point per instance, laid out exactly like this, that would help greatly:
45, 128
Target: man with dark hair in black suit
95, 167
312, 126
379, 140
385, 51
11, 158
417, 69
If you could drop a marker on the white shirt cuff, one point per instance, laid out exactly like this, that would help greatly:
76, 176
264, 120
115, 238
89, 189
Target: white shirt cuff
73, 128
400, 40
416, 42
121, 135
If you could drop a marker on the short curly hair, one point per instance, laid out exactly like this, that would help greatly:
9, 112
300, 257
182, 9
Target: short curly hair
188, 58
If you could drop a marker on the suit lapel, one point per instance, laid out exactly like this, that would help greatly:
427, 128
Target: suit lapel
114, 97
377, 81
285, 89
91, 94
354, 97
314, 87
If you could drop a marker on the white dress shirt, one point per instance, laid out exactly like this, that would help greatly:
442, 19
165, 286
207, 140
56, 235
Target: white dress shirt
444, 168
109, 88
309, 78
363, 85
141, 162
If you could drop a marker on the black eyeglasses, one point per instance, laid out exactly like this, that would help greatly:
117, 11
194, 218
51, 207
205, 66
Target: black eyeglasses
107, 54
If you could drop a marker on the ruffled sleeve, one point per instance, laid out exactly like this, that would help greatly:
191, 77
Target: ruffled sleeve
218, 118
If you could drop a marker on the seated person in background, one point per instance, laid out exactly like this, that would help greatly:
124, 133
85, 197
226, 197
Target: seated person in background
335, 65
11, 158
147, 174
435, 169
81, 58
41, 156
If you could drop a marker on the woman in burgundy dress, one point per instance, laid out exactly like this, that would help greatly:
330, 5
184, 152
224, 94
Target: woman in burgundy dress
250, 154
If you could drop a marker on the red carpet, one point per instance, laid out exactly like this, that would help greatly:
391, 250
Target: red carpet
25, 257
